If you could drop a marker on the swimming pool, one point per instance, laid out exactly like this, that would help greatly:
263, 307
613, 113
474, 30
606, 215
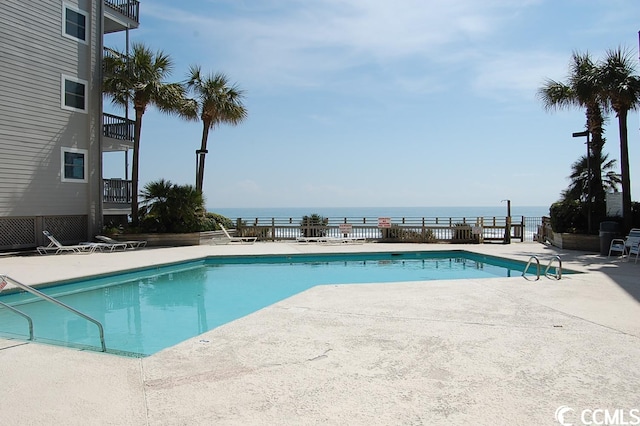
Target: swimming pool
147, 310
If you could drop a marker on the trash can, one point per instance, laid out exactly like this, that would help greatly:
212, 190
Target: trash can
608, 231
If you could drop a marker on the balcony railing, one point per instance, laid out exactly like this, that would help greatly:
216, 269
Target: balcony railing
117, 191
129, 8
117, 127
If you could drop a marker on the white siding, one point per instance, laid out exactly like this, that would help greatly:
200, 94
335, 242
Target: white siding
33, 126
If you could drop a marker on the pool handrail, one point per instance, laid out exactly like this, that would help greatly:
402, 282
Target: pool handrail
526, 268
48, 298
558, 271
23, 315
556, 275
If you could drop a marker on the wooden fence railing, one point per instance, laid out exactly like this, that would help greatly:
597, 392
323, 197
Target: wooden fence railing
400, 229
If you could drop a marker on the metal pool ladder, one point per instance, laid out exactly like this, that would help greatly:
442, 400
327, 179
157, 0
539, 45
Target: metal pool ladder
5, 278
557, 275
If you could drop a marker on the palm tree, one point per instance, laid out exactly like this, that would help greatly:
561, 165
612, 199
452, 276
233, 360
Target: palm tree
579, 187
140, 78
621, 92
582, 90
215, 102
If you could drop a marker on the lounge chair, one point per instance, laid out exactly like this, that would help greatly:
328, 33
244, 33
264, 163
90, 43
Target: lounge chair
343, 240
133, 244
312, 239
632, 239
354, 240
227, 238
106, 246
57, 247
331, 240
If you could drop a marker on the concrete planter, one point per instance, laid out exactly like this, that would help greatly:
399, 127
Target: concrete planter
576, 241
168, 239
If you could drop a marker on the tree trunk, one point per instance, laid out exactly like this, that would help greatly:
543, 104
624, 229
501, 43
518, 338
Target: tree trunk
624, 170
203, 152
135, 168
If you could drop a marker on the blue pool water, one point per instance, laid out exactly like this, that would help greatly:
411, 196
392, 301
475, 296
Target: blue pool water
148, 310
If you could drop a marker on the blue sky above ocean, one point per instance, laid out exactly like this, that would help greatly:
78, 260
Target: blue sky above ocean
380, 103
375, 212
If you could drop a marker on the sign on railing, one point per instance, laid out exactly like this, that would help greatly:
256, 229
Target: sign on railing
384, 222
345, 228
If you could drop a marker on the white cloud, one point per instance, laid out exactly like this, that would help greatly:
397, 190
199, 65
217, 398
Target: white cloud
302, 43
522, 73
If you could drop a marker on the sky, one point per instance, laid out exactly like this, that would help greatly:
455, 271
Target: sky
360, 103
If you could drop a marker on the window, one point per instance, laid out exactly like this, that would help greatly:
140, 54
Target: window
74, 96
74, 165
74, 23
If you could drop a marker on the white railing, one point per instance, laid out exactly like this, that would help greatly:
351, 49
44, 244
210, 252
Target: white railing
402, 229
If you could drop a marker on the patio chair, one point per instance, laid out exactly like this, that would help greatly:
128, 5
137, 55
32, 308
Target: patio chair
618, 246
227, 238
624, 245
132, 244
57, 247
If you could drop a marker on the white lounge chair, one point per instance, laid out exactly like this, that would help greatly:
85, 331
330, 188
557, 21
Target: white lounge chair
354, 240
57, 247
133, 244
312, 239
106, 246
227, 238
632, 239
331, 240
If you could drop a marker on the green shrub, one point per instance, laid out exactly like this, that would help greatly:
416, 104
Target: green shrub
568, 216
167, 207
212, 221
398, 234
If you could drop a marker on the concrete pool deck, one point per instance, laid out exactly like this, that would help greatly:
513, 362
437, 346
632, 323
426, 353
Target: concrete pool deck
477, 351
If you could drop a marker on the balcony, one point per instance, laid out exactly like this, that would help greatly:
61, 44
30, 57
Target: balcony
116, 191
117, 136
116, 198
117, 132
120, 15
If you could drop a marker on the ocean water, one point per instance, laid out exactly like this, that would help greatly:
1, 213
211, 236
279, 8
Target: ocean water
375, 212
